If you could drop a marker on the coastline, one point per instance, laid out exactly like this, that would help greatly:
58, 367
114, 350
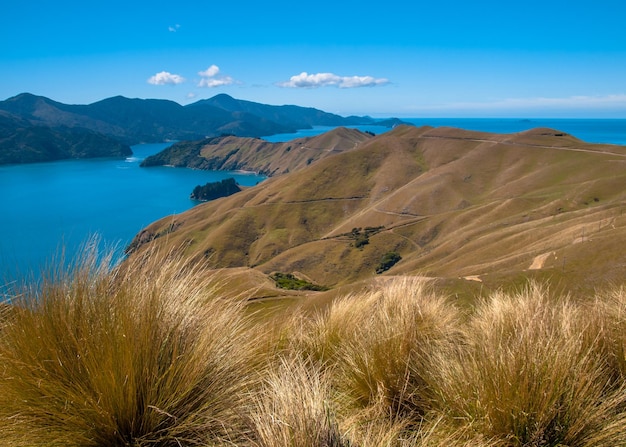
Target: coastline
246, 172
78, 209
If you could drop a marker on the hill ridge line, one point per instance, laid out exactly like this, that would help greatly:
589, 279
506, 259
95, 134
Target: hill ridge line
515, 143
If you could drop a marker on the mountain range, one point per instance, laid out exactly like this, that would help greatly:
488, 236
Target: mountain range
470, 210
36, 128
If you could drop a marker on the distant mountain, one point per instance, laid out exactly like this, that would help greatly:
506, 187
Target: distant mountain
23, 142
288, 115
252, 154
132, 121
467, 209
157, 120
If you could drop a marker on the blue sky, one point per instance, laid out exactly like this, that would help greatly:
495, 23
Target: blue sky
403, 58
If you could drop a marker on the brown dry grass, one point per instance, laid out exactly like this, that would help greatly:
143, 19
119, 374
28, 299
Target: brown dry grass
453, 203
531, 375
294, 409
523, 369
147, 355
151, 354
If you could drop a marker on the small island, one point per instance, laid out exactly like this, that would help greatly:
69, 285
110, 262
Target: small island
215, 190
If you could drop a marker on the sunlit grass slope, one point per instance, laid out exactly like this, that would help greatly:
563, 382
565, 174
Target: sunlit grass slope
153, 353
453, 204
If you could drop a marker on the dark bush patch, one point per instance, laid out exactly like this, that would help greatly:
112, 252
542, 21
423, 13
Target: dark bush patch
389, 260
215, 190
290, 282
361, 236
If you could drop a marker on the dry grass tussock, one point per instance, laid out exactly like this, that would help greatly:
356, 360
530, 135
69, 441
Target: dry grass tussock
534, 373
523, 369
142, 356
150, 355
381, 345
293, 409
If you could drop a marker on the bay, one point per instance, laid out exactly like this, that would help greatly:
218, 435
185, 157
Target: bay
55, 207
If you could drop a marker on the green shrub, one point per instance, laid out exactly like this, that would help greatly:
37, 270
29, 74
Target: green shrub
389, 260
361, 236
361, 241
290, 282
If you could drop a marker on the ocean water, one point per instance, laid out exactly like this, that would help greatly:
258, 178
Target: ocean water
612, 131
50, 208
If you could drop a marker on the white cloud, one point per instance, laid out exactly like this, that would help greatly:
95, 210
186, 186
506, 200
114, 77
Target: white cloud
210, 83
173, 29
213, 70
315, 80
210, 78
164, 78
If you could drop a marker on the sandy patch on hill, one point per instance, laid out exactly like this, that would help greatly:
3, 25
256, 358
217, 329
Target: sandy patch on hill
473, 278
540, 260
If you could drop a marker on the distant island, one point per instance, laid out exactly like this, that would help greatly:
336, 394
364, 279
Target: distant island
35, 128
215, 190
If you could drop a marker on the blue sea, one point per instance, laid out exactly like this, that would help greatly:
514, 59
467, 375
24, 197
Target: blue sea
49, 208
55, 207
612, 131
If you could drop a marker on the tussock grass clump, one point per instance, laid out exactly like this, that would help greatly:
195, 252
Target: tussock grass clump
387, 362
317, 338
606, 331
524, 369
530, 377
294, 409
380, 345
139, 356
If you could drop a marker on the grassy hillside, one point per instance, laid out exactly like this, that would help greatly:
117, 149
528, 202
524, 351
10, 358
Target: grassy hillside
500, 321
253, 154
466, 208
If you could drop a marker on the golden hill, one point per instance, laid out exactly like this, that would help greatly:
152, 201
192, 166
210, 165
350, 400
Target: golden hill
470, 207
254, 154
